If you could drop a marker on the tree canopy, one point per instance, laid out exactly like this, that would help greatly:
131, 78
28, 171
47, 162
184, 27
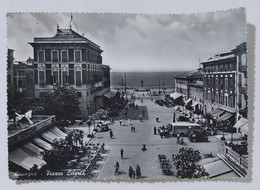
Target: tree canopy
62, 102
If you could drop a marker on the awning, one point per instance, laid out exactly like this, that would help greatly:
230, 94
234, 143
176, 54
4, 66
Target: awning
241, 122
110, 94
188, 101
195, 104
49, 136
217, 112
25, 160
225, 116
175, 95
41, 143
33, 149
244, 130
58, 132
217, 169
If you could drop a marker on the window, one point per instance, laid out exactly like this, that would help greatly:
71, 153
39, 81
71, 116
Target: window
77, 56
71, 76
54, 55
41, 77
226, 84
20, 83
216, 98
55, 77
64, 77
231, 84
48, 77
64, 56
41, 56
84, 76
78, 77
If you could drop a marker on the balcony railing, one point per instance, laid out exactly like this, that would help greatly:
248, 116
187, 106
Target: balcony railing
242, 90
239, 160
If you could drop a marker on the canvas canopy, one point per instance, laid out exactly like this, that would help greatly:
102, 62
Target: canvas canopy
25, 160
41, 143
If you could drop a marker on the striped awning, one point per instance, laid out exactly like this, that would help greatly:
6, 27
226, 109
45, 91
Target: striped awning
188, 101
175, 95
217, 112
225, 116
109, 94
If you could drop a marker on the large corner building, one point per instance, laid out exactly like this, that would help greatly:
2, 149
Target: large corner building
69, 58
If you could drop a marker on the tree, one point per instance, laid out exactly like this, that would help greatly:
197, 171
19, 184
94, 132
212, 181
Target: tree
62, 102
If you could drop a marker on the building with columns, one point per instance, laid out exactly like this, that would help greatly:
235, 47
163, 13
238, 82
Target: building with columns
69, 58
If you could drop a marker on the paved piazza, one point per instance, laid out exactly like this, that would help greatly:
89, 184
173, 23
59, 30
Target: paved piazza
132, 143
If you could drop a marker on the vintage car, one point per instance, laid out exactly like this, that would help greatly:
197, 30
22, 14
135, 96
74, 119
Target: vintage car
196, 136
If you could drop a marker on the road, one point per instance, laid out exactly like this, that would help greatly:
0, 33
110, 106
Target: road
132, 143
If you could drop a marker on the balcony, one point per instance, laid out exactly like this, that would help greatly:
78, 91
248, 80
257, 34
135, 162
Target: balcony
242, 90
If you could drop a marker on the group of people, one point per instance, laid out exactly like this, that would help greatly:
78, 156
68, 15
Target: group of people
134, 174
163, 130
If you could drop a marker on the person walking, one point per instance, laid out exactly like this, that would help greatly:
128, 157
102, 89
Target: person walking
154, 130
120, 122
130, 172
129, 121
116, 168
133, 174
140, 117
138, 171
111, 134
157, 118
122, 153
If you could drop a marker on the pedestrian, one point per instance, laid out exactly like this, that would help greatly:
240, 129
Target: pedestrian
111, 134
157, 118
122, 153
178, 138
140, 117
120, 122
116, 168
154, 130
130, 173
133, 174
129, 121
138, 171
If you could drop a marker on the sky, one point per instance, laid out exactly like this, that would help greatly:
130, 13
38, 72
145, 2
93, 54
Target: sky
138, 42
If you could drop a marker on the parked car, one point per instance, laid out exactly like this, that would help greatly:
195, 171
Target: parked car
183, 118
196, 136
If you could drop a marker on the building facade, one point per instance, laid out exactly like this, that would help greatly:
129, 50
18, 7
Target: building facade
10, 70
190, 84
24, 79
71, 59
225, 83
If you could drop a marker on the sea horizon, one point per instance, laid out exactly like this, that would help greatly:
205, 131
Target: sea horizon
148, 79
